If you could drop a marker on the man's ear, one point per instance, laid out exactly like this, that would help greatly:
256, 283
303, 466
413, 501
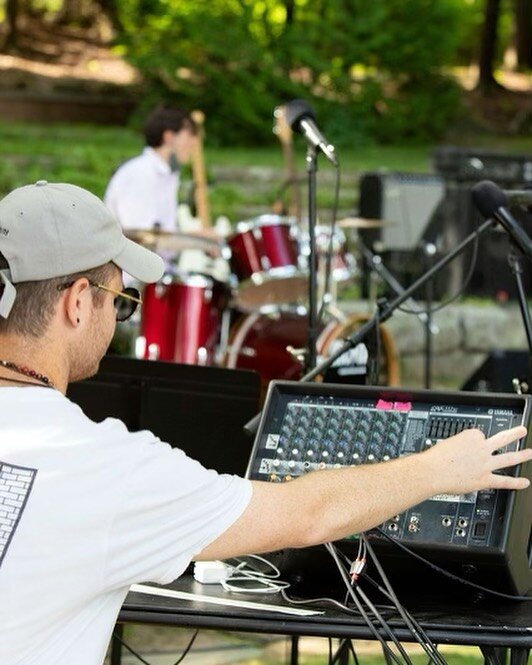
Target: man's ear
77, 302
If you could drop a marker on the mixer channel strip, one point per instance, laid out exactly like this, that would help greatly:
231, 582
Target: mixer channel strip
314, 436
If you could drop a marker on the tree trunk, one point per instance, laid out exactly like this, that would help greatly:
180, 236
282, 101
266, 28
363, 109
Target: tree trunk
488, 45
12, 14
523, 33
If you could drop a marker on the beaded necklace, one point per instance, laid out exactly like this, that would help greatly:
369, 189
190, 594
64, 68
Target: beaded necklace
26, 371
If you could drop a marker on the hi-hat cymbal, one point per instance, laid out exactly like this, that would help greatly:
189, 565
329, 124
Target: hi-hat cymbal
362, 223
168, 241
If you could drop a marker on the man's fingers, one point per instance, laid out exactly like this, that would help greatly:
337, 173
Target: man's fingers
506, 437
508, 483
511, 459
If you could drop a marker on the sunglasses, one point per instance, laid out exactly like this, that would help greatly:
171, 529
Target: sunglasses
125, 302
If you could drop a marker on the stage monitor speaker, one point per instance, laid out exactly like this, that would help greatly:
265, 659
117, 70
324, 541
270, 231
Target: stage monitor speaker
201, 410
498, 371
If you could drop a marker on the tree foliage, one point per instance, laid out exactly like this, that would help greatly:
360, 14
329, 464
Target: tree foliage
370, 69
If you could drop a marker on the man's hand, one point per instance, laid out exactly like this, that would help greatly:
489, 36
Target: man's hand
466, 462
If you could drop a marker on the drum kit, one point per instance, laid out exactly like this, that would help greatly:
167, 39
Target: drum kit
250, 315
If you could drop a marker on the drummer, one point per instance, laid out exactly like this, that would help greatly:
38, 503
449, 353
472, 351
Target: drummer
143, 192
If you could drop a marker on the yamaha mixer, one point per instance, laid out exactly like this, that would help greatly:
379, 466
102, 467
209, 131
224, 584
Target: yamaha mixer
482, 535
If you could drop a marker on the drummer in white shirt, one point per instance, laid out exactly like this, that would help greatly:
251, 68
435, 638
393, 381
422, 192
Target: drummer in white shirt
143, 192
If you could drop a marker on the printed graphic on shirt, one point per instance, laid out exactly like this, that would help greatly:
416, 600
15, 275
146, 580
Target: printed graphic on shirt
15, 488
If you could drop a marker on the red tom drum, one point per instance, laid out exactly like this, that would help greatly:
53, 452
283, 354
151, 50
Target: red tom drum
181, 319
265, 260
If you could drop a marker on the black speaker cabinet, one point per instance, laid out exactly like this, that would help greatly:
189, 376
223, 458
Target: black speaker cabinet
420, 208
497, 372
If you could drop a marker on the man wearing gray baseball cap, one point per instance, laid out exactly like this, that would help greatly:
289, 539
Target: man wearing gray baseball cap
87, 509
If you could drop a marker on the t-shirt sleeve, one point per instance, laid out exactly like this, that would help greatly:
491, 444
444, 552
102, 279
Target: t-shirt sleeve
172, 508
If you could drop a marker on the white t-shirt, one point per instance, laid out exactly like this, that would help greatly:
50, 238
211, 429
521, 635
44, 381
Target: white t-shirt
86, 510
143, 192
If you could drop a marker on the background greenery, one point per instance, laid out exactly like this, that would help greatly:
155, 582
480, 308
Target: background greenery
375, 72
87, 155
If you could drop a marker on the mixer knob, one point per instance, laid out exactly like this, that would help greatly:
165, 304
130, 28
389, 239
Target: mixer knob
291, 464
295, 451
325, 453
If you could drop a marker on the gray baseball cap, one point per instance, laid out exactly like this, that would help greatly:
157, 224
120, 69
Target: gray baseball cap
54, 229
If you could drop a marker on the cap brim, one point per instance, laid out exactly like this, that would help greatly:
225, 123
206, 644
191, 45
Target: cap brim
139, 262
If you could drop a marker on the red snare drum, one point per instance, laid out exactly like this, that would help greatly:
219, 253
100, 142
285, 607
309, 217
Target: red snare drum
181, 319
264, 258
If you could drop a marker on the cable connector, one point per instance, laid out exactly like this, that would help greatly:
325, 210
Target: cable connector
211, 572
356, 568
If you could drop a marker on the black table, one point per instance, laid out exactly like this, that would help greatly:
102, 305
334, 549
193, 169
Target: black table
494, 626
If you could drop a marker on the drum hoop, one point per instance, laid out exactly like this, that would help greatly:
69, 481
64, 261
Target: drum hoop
195, 280
241, 228
388, 345
274, 220
236, 341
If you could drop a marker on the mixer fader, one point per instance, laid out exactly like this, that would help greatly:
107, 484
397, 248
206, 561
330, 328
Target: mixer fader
308, 427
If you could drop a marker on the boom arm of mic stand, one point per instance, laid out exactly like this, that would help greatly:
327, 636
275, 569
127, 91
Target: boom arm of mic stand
375, 263
387, 311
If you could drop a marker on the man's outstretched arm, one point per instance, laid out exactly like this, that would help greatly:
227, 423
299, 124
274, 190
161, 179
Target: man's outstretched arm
328, 505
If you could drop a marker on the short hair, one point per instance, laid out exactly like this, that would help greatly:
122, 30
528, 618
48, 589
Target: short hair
165, 117
35, 303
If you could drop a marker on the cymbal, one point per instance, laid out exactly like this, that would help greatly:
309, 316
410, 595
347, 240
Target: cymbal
362, 223
169, 241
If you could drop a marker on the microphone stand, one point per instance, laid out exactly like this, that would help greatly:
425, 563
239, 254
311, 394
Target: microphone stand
514, 261
374, 262
312, 168
384, 313
429, 250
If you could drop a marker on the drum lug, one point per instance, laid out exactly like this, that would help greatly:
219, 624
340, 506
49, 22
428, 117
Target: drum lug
154, 351
298, 354
202, 356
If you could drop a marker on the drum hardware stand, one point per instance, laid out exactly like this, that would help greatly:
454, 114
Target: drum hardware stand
390, 307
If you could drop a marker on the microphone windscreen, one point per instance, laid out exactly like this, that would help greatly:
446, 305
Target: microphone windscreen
488, 197
295, 111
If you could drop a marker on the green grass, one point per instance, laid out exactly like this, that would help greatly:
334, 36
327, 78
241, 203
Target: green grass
87, 156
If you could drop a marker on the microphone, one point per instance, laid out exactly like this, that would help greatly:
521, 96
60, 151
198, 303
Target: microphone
491, 201
302, 119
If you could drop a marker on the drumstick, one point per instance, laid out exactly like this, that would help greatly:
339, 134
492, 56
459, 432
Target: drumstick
198, 172
283, 132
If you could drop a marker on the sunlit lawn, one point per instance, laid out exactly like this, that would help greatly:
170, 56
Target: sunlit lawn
88, 155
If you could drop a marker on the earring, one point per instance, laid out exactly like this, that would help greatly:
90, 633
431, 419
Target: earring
77, 320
